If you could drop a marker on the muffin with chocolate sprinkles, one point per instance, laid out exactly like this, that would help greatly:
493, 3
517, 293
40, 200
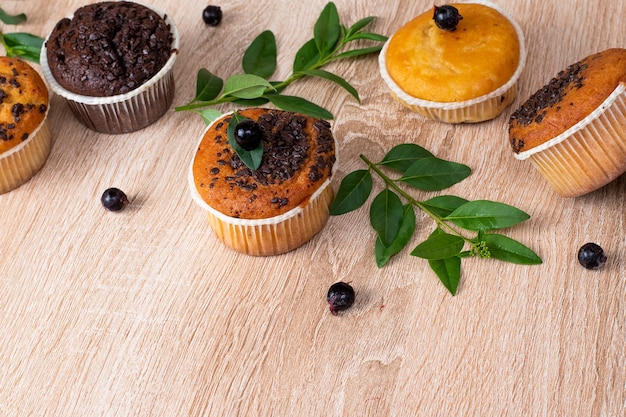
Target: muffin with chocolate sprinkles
573, 129
112, 61
284, 202
25, 138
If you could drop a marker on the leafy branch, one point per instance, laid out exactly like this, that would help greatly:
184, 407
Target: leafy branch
252, 88
19, 44
462, 228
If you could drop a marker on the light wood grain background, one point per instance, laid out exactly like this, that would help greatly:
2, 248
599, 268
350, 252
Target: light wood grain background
146, 313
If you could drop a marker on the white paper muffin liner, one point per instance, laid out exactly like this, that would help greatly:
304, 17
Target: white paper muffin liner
588, 155
122, 113
22, 162
476, 110
274, 235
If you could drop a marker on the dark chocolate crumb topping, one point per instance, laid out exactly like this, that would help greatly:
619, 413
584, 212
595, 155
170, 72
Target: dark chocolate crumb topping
285, 151
17, 110
548, 96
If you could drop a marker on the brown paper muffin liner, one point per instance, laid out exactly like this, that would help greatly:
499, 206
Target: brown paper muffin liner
590, 154
484, 108
21, 163
123, 113
476, 110
274, 236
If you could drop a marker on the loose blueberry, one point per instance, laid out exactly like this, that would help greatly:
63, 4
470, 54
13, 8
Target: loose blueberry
446, 17
591, 256
340, 297
248, 134
114, 199
212, 15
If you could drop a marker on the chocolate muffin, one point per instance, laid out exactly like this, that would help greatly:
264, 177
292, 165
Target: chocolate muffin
108, 48
113, 64
284, 202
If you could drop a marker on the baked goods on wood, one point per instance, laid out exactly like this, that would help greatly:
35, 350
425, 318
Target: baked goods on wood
574, 128
25, 138
465, 74
282, 204
113, 62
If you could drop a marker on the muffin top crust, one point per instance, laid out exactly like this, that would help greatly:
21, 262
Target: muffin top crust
298, 157
572, 95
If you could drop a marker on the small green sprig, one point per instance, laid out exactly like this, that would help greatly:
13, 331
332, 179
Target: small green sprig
455, 218
252, 88
19, 44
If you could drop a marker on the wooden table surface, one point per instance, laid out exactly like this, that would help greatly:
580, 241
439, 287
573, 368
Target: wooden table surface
145, 313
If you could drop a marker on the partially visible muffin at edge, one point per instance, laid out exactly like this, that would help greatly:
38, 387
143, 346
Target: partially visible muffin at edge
25, 138
573, 129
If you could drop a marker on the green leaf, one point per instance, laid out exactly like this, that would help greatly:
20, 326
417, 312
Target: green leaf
12, 19
246, 86
23, 45
260, 57
407, 228
433, 174
298, 105
354, 190
386, 214
327, 30
443, 205
486, 215
209, 115
358, 52
334, 78
439, 245
208, 85
358, 25
506, 249
22, 39
368, 36
449, 272
251, 102
402, 156
252, 159
306, 57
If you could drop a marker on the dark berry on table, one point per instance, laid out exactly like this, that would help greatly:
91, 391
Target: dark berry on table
114, 199
248, 134
340, 296
446, 17
212, 15
591, 256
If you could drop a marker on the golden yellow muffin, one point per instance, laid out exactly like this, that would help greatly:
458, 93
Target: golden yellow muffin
282, 204
25, 138
468, 74
574, 128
